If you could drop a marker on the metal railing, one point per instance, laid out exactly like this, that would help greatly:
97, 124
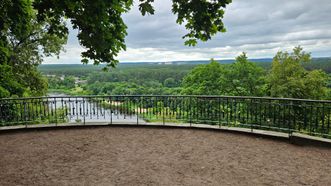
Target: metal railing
276, 114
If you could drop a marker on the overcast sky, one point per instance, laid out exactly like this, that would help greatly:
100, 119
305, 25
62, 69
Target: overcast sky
258, 27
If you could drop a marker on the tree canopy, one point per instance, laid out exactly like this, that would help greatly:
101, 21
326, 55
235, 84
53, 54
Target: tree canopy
33, 29
288, 77
25, 41
242, 78
102, 30
205, 80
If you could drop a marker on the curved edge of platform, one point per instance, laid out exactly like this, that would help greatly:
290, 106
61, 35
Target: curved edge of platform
294, 138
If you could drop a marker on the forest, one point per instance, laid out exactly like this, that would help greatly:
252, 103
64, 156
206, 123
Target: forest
303, 77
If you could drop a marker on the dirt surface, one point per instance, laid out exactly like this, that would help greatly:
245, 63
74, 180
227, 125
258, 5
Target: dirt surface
147, 156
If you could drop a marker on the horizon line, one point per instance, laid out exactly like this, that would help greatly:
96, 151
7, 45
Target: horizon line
196, 60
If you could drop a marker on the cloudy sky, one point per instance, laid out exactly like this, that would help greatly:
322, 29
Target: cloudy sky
258, 27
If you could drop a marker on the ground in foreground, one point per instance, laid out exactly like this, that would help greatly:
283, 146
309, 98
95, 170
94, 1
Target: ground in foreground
147, 156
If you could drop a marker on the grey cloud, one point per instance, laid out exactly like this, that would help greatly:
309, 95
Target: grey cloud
248, 22
260, 27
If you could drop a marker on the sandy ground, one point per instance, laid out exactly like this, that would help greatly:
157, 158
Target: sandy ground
147, 156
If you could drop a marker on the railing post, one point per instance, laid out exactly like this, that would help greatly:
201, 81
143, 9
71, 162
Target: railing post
83, 111
62, 107
251, 115
163, 111
190, 109
25, 115
219, 112
55, 111
137, 110
289, 120
110, 110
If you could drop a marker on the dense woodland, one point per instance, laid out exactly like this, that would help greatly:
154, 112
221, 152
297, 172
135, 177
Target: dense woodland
304, 78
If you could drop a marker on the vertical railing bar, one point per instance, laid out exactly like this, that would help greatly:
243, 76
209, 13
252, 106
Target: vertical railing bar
323, 119
305, 116
291, 108
240, 101
31, 111
55, 112
28, 111
66, 109
48, 111
97, 107
164, 109
110, 110
296, 113
84, 111
91, 107
232, 112
41, 115
284, 113
252, 113
316, 119
328, 130
69, 109
62, 109
76, 109
104, 107
137, 110
190, 110
227, 112
248, 106
219, 112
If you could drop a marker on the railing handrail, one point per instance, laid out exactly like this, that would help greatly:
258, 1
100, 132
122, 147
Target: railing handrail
195, 96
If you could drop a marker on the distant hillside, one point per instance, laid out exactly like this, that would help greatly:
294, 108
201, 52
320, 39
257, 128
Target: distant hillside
317, 63
195, 62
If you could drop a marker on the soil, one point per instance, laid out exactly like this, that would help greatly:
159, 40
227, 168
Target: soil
150, 156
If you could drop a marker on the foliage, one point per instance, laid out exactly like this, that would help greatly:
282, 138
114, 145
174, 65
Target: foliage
8, 85
67, 82
202, 18
205, 80
244, 78
241, 78
31, 30
319, 63
24, 43
170, 82
288, 78
102, 30
126, 79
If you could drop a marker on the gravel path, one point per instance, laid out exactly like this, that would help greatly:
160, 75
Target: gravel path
147, 156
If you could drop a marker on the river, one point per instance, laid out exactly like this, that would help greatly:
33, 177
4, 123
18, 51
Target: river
94, 113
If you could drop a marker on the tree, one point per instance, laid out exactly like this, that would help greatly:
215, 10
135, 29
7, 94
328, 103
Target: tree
205, 80
33, 29
69, 82
288, 78
24, 43
102, 30
8, 85
244, 78
169, 82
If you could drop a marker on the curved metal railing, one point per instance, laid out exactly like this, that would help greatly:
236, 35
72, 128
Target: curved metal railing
276, 114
